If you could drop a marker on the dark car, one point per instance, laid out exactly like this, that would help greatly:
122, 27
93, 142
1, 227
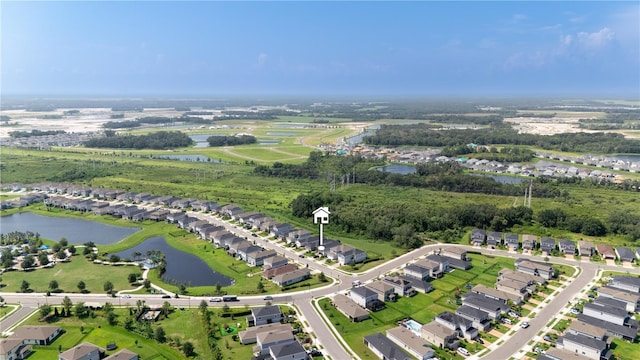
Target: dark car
254, 234
165, 296
547, 338
479, 341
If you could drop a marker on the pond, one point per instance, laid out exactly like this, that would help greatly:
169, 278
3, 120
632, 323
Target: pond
76, 231
201, 139
268, 141
398, 169
371, 130
182, 267
282, 133
504, 179
292, 125
186, 157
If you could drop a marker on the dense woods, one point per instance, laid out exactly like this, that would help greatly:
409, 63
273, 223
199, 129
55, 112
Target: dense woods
159, 140
21, 134
231, 140
420, 135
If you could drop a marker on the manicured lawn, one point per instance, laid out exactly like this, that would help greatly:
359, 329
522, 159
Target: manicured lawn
623, 350
562, 325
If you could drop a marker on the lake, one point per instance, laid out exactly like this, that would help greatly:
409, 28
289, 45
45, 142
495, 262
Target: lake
182, 267
371, 130
398, 169
632, 158
76, 231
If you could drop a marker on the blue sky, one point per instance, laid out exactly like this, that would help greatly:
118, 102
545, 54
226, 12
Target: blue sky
321, 48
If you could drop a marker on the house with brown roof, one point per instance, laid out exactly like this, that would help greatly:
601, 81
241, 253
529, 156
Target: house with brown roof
586, 248
411, 342
124, 354
270, 273
37, 335
606, 251
291, 277
385, 291
13, 349
440, 335
250, 335
349, 308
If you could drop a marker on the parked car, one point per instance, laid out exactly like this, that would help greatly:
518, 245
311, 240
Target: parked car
574, 311
468, 286
547, 338
215, 299
463, 351
126, 296
505, 321
268, 297
479, 340
514, 314
254, 234
524, 325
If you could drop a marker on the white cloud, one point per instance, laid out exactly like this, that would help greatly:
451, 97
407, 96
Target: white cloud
518, 17
596, 39
566, 40
262, 59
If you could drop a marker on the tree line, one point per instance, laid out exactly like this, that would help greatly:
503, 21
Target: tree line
420, 135
231, 140
161, 140
23, 134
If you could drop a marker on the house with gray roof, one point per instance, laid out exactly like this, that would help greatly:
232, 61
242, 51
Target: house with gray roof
547, 245
628, 283
567, 246
631, 300
615, 330
479, 319
13, 348
292, 277
545, 271
294, 235
494, 238
288, 351
274, 262
494, 308
613, 315
265, 340
477, 237
124, 354
512, 241
249, 336
257, 258
582, 328
586, 346
554, 353
37, 335
364, 297
400, 286
496, 294
463, 326
417, 284
410, 342
84, 351
265, 315
385, 348
586, 248
529, 242
625, 254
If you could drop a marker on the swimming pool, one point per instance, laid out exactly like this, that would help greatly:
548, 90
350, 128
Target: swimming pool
413, 326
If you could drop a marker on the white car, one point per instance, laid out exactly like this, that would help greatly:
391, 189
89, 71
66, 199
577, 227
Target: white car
215, 299
126, 296
524, 325
574, 311
463, 351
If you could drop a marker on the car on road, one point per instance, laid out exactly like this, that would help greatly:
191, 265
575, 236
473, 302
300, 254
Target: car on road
301, 256
166, 296
126, 296
254, 234
268, 297
524, 325
464, 351
215, 299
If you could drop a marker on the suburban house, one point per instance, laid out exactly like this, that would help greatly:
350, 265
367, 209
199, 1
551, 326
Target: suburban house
124, 354
529, 242
512, 241
440, 335
346, 254
615, 330
84, 351
385, 291
385, 348
418, 284
606, 251
349, 308
611, 314
13, 349
527, 279
515, 287
479, 319
230, 210
592, 348
257, 258
545, 271
288, 351
494, 238
454, 253
625, 254
628, 283
366, 298
449, 262
547, 245
295, 235
280, 230
37, 335
631, 300
496, 294
271, 273
586, 248
243, 252
554, 353
400, 286
265, 315
567, 246
274, 262
265, 340
411, 342
292, 277
477, 237
424, 269
494, 308
250, 335
463, 326
582, 328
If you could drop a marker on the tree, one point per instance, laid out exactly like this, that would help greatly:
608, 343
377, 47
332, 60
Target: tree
112, 319
43, 259
64, 242
28, 262
187, 349
45, 310
56, 247
139, 305
66, 305
61, 254
107, 308
260, 286
218, 288
114, 258
183, 289
166, 308
24, 287
128, 324
147, 284
53, 285
203, 307
81, 310
7, 258
108, 287
322, 277
81, 286
160, 335
133, 277
86, 250
72, 250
